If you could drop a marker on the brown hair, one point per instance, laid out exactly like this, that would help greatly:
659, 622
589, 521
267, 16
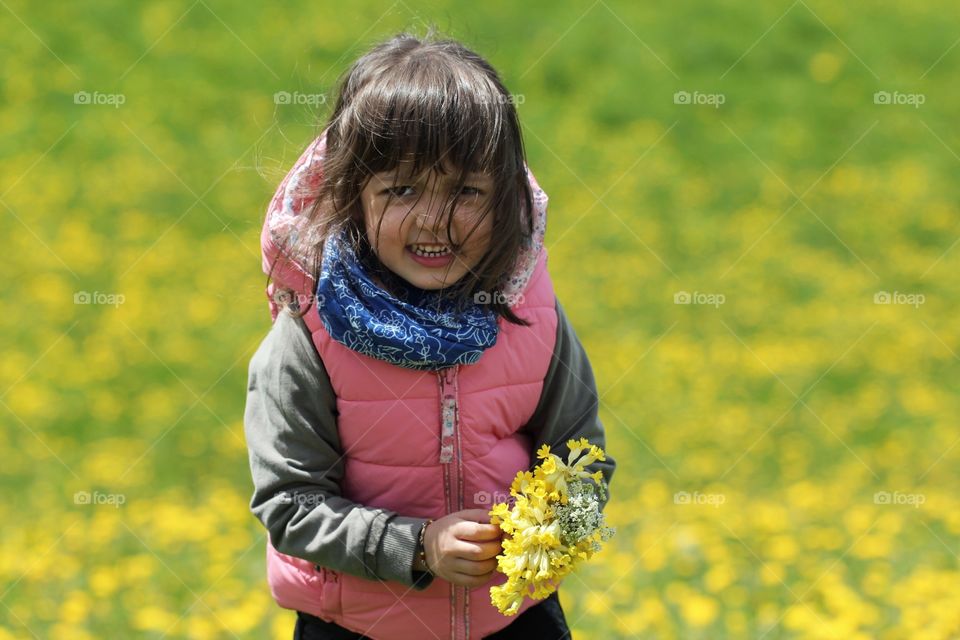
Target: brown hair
437, 105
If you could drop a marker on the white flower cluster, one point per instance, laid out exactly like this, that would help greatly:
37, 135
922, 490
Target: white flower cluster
581, 516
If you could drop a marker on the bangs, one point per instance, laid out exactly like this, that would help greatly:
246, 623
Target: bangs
426, 117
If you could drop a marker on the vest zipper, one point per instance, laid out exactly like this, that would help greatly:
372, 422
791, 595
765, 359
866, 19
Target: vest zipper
452, 461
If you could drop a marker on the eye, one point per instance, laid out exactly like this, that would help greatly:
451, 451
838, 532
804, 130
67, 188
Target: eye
471, 192
398, 191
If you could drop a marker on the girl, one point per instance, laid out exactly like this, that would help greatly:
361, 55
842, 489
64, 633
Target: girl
418, 356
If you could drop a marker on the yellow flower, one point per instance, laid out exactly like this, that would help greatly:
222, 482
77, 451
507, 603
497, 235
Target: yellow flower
548, 534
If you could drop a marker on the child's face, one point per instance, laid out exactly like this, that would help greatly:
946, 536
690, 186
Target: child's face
415, 221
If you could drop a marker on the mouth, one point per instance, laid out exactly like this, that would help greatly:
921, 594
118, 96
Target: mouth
430, 250
430, 255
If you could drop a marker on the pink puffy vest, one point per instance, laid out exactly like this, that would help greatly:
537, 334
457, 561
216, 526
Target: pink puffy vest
422, 444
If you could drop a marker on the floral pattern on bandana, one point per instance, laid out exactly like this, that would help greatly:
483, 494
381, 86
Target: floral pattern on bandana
421, 331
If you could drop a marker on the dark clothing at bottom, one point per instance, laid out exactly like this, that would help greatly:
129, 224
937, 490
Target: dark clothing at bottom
542, 621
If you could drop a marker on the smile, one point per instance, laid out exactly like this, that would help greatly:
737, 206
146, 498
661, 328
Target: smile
430, 256
430, 250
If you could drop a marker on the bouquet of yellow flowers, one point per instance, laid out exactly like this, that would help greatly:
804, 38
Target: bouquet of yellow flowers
554, 524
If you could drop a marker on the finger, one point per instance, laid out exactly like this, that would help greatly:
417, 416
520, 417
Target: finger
471, 568
478, 532
472, 550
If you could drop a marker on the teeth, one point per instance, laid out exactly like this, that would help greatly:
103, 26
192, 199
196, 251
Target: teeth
430, 250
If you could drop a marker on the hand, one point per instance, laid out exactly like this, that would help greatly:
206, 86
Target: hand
462, 547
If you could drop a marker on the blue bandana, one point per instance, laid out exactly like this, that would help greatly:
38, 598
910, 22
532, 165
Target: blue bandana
418, 330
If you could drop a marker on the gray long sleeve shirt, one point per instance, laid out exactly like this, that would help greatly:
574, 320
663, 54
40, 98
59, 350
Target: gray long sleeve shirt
297, 462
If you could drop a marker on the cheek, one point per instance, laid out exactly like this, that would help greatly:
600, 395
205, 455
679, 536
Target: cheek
385, 231
480, 238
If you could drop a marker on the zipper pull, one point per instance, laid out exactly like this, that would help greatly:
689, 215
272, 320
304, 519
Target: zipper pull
447, 417
450, 373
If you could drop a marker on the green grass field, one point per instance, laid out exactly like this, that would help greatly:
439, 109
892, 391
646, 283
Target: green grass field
789, 457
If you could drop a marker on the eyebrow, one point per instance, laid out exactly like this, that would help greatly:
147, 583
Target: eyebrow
396, 175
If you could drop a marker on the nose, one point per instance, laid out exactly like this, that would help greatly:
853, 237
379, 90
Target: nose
431, 215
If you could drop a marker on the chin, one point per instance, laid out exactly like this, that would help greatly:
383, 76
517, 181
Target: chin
428, 283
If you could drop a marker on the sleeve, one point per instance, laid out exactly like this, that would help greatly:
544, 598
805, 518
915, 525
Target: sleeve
296, 462
569, 404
